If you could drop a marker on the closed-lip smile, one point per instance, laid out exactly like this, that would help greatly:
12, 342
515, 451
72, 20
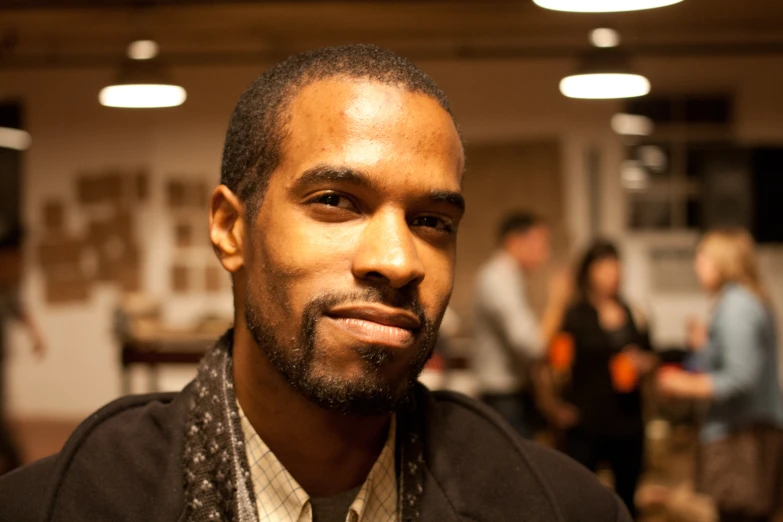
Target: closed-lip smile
377, 323
378, 314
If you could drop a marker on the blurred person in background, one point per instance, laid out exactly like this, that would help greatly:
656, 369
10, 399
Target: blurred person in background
337, 218
602, 412
11, 309
741, 453
509, 338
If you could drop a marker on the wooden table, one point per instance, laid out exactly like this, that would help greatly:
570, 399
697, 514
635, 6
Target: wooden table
162, 347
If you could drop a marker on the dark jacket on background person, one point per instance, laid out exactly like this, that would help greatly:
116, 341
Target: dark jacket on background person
602, 409
610, 426
125, 463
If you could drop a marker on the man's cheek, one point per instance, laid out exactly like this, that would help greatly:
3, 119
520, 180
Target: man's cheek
439, 278
309, 243
326, 260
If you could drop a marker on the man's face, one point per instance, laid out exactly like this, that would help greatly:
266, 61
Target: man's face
532, 248
349, 263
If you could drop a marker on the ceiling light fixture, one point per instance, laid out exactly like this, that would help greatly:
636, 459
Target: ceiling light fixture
143, 82
604, 74
632, 124
604, 37
16, 139
143, 50
604, 86
633, 177
653, 158
603, 6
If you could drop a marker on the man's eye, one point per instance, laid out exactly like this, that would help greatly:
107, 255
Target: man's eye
330, 199
434, 222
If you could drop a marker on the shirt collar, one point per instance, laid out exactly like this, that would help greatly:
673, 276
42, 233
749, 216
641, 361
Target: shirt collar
279, 498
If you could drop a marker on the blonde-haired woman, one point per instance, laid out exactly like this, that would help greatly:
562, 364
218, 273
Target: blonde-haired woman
741, 457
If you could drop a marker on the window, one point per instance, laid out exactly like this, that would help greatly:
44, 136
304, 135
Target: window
666, 175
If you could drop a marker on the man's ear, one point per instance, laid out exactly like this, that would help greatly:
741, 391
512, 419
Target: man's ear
227, 228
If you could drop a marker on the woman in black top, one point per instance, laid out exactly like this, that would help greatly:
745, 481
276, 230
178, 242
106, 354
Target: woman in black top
608, 422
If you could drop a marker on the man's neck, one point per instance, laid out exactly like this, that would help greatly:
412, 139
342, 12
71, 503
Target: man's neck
519, 263
325, 452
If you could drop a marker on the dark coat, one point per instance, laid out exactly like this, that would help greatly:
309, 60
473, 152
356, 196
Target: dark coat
124, 463
603, 411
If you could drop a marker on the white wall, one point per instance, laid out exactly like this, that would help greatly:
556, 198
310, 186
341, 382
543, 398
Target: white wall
72, 134
493, 100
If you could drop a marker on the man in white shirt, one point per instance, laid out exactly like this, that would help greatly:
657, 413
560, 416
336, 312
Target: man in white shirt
509, 337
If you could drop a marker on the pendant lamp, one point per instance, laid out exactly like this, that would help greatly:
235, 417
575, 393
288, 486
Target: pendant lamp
602, 6
626, 124
16, 139
142, 82
604, 74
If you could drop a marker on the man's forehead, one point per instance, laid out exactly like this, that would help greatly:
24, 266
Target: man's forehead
345, 90
368, 121
356, 101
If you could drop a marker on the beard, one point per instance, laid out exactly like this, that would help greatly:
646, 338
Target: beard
299, 358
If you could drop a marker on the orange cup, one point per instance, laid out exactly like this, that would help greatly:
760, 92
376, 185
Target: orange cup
561, 352
623, 373
669, 367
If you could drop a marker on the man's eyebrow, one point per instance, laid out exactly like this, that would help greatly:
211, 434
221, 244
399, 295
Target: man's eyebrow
454, 199
331, 173
334, 173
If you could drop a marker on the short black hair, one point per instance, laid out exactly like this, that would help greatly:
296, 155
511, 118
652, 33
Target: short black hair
258, 125
519, 222
600, 249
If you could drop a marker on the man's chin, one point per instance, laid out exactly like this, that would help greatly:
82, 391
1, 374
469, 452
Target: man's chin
367, 396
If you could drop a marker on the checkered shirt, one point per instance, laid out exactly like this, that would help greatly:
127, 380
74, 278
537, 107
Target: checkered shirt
279, 498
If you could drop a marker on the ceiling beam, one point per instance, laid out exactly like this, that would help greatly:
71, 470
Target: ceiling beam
455, 52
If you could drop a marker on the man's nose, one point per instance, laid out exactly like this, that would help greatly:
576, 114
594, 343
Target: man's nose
388, 253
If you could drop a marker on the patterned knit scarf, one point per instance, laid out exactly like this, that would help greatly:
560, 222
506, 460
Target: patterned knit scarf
218, 484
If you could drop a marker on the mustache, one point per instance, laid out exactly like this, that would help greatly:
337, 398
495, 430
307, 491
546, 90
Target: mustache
403, 300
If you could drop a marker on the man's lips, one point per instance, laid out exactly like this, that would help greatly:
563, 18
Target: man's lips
377, 324
382, 315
